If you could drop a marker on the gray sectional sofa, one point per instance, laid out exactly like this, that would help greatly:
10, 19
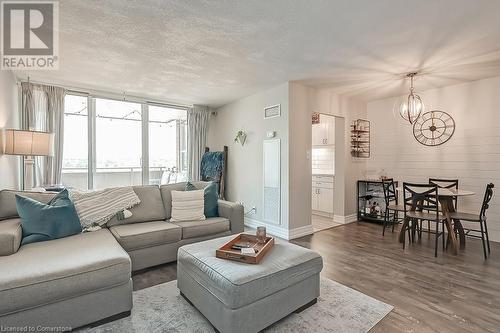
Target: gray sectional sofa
82, 279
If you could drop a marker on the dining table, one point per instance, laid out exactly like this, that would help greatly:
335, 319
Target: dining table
445, 197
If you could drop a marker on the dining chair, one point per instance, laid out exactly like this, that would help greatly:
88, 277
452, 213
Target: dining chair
446, 183
392, 208
421, 204
481, 219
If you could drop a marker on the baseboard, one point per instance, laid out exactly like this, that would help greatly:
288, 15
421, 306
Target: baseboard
301, 231
345, 219
270, 229
278, 231
323, 214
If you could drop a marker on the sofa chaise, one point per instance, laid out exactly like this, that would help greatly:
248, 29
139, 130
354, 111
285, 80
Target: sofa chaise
86, 278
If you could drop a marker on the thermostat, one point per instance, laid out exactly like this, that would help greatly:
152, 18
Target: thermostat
271, 134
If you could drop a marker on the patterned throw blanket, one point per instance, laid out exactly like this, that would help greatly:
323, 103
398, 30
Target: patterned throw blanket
95, 208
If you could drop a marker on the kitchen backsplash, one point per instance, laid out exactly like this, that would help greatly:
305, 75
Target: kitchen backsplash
323, 160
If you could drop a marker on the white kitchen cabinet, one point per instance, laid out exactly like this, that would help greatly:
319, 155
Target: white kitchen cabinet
323, 134
325, 200
315, 199
322, 194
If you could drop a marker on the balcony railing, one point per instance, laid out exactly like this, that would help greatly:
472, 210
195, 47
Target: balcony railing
119, 176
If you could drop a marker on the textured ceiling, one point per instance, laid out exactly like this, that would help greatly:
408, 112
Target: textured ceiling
213, 52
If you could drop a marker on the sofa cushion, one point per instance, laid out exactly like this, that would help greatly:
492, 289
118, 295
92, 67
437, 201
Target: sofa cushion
8, 208
43, 222
187, 206
141, 235
150, 208
10, 236
166, 194
213, 225
46, 272
237, 284
210, 198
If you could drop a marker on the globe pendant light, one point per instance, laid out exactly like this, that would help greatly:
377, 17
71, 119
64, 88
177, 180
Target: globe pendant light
410, 107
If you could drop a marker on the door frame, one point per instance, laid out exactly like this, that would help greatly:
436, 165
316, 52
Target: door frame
339, 167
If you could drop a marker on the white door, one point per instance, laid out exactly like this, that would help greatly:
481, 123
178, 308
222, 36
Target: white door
325, 200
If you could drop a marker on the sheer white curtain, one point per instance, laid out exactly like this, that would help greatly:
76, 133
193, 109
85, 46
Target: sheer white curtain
197, 126
43, 110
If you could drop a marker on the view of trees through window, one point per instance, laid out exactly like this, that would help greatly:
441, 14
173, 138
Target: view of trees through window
116, 149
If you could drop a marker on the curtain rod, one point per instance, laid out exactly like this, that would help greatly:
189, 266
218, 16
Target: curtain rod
110, 95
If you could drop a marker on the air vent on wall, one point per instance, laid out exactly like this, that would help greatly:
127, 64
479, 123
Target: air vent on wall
272, 111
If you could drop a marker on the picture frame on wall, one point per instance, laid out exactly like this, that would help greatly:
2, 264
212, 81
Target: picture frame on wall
272, 111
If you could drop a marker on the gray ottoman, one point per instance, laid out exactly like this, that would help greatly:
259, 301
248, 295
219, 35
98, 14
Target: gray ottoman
239, 297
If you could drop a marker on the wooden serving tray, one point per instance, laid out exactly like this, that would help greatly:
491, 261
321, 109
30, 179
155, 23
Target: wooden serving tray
226, 252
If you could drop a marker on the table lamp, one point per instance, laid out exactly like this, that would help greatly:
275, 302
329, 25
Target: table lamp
28, 144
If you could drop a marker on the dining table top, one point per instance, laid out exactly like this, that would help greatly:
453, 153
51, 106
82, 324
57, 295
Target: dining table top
448, 192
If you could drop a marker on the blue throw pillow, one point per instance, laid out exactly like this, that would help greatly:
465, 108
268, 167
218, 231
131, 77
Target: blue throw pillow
210, 197
42, 222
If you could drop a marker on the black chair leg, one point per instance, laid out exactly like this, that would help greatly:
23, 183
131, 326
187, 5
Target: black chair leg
487, 236
483, 240
429, 229
404, 243
386, 217
436, 244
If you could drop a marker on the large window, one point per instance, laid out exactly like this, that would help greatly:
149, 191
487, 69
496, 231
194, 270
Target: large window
75, 152
167, 145
118, 143
129, 143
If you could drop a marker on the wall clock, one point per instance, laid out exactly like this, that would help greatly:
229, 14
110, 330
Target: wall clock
434, 128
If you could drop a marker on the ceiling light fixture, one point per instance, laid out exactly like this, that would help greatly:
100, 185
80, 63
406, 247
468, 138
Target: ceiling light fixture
410, 107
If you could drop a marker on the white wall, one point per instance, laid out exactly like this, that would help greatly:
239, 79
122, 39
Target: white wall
294, 129
300, 159
9, 118
245, 167
472, 155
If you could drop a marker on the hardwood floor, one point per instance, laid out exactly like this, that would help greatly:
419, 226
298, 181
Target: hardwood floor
444, 294
320, 223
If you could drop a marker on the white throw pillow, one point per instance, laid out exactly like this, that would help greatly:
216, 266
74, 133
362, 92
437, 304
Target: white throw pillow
188, 206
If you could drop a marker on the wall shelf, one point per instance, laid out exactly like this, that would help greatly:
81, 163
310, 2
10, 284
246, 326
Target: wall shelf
360, 138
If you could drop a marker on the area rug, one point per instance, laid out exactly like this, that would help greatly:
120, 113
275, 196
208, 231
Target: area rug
339, 309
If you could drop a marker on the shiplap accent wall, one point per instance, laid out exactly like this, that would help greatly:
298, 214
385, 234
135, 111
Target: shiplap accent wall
472, 155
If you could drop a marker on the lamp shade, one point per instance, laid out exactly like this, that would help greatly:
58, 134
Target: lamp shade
28, 143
